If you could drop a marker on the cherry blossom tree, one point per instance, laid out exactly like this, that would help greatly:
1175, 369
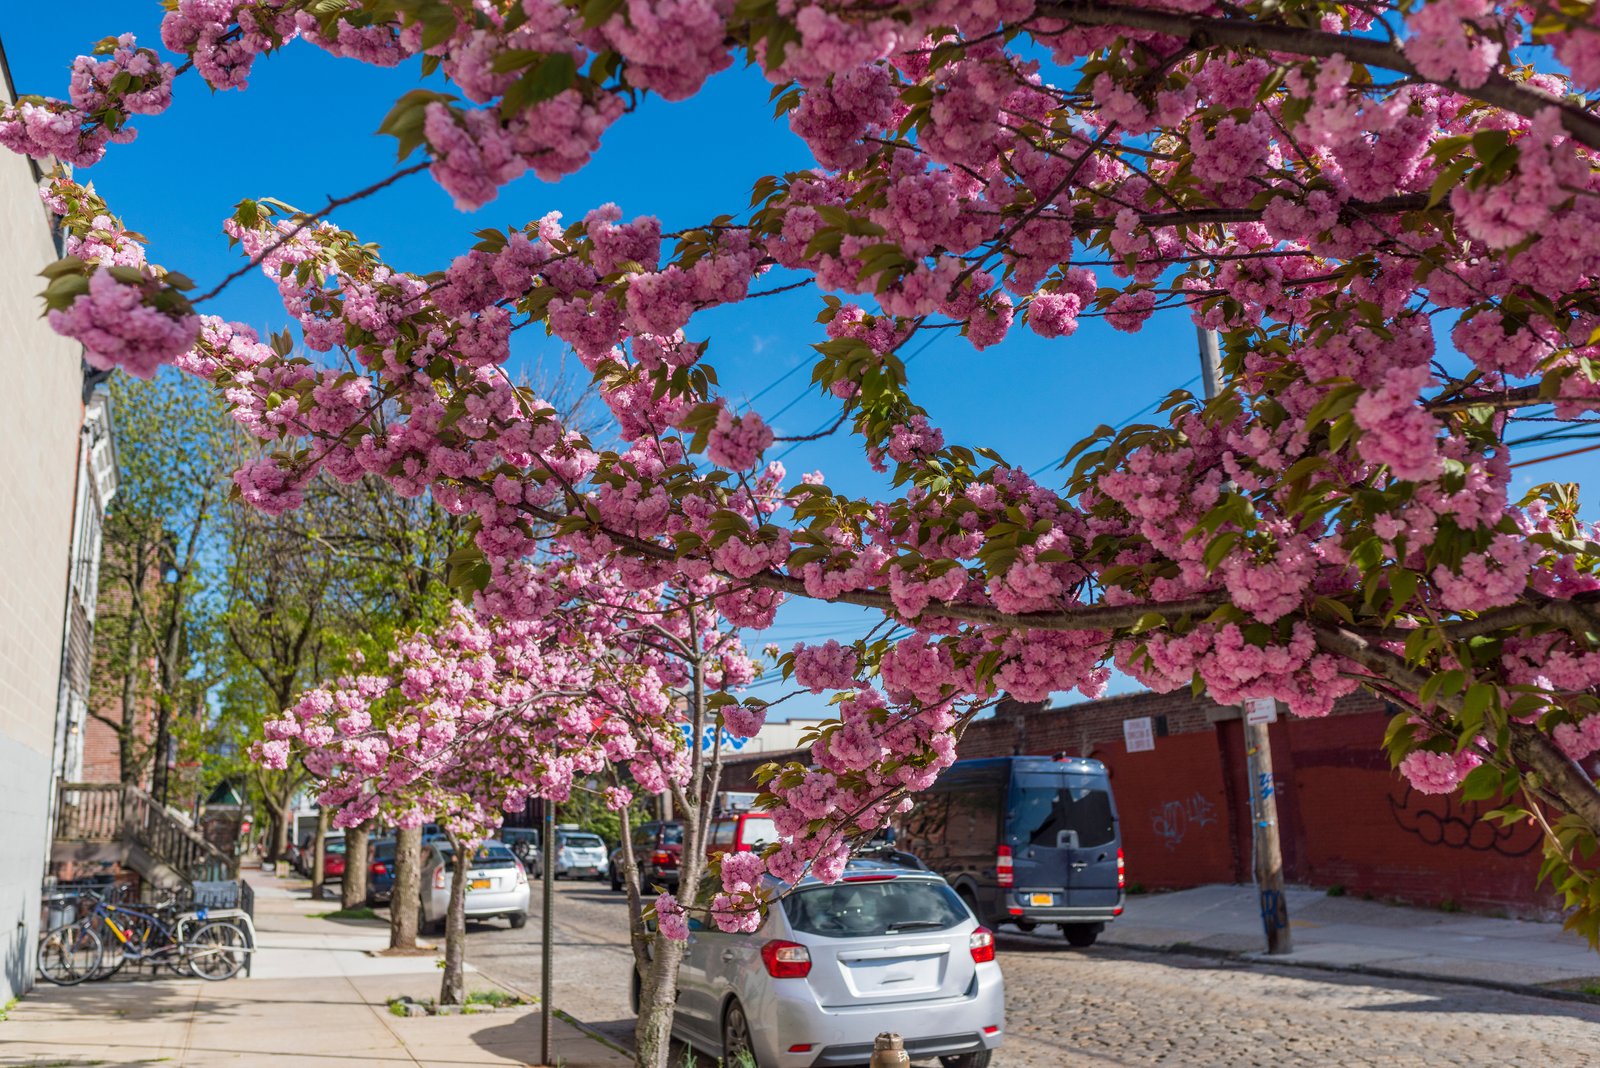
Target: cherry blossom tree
1329, 186
597, 679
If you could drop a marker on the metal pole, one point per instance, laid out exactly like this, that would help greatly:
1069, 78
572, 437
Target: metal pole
1267, 847
546, 937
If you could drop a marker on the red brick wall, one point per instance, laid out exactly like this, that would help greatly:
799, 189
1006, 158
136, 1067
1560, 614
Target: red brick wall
1346, 817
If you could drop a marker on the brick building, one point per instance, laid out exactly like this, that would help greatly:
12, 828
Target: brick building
1347, 818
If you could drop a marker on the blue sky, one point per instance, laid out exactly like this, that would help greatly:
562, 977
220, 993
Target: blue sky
303, 131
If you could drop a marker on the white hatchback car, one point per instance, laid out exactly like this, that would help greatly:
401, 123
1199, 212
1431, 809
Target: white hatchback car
497, 885
887, 948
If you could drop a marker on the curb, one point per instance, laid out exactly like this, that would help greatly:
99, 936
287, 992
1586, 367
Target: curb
1376, 971
564, 1016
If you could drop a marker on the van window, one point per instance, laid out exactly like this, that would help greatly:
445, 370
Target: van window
1044, 809
722, 834
758, 833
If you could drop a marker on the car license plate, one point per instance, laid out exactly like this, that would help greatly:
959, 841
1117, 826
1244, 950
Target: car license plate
1041, 899
484, 884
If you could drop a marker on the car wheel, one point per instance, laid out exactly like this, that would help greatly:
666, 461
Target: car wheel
519, 920
616, 885
968, 1060
737, 1050
1081, 935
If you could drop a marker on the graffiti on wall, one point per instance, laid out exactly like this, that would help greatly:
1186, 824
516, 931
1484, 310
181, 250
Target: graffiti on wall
1173, 820
1437, 820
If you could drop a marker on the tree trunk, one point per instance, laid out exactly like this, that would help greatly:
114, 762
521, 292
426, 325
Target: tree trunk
353, 890
163, 742
658, 995
279, 815
452, 991
407, 888
319, 856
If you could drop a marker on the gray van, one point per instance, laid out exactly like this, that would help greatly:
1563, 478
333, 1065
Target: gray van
1025, 840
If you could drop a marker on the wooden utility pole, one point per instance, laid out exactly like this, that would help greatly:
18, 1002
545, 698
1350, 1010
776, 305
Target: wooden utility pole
1267, 847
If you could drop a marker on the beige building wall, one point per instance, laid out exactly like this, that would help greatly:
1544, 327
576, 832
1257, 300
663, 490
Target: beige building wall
41, 410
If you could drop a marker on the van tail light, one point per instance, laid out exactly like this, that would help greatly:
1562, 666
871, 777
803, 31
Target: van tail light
379, 868
1002, 867
786, 960
438, 877
982, 943
661, 858
1122, 870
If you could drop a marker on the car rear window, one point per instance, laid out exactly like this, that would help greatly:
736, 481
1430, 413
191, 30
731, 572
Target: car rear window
383, 850
1041, 810
874, 909
495, 856
672, 834
583, 841
334, 845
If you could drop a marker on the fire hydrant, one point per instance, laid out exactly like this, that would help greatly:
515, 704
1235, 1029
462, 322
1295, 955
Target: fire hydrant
888, 1051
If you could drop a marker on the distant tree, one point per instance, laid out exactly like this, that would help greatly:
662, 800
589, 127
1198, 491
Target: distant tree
173, 464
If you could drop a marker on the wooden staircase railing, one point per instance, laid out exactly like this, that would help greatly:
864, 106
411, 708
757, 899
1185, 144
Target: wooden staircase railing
113, 812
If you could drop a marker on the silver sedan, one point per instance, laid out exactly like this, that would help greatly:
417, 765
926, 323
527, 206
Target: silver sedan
886, 948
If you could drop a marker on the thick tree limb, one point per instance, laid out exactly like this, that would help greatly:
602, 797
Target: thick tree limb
1201, 31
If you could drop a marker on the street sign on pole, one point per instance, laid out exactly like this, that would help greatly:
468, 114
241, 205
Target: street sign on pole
1260, 710
1138, 735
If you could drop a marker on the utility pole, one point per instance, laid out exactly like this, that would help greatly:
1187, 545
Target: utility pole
1267, 847
546, 932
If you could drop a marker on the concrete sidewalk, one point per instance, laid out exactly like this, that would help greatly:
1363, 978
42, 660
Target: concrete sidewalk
1345, 932
317, 996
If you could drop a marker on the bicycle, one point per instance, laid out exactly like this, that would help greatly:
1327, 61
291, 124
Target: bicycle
158, 936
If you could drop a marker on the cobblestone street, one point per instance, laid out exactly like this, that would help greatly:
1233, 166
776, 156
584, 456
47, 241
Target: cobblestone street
1107, 1006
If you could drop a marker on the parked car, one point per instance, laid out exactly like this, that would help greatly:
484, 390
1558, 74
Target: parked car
380, 871
657, 849
497, 885
884, 949
333, 856
741, 833
581, 855
1025, 840
525, 842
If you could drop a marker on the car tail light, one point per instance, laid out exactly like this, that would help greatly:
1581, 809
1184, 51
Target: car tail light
522, 875
1002, 866
438, 877
992, 1029
800, 1047
1122, 870
661, 858
379, 868
982, 943
786, 960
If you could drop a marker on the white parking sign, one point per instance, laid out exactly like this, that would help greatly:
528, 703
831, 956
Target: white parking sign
1138, 735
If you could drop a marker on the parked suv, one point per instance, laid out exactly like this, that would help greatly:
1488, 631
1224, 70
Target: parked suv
884, 949
1025, 840
580, 855
657, 849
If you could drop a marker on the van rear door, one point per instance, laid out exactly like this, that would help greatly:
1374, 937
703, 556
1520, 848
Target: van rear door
1066, 830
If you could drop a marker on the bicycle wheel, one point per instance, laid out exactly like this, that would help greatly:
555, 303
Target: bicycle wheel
218, 950
69, 955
